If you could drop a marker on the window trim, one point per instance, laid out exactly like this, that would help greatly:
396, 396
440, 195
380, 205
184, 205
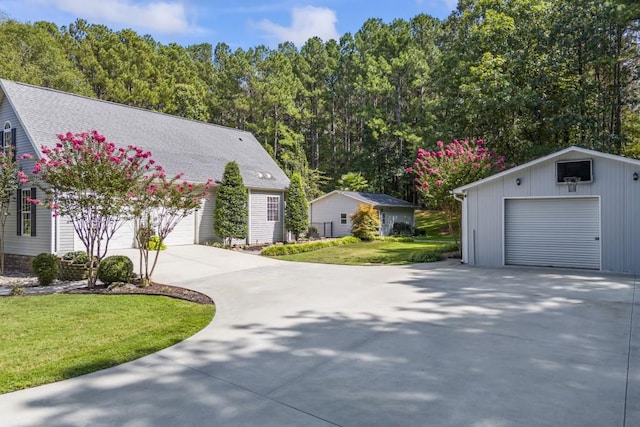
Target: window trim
270, 203
26, 214
8, 134
343, 218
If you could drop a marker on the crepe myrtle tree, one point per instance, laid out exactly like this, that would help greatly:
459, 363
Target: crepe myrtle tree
90, 181
9, 169
439, 172
158, 207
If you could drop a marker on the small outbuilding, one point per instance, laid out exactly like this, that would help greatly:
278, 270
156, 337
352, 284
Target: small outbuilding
575, 208
331, 213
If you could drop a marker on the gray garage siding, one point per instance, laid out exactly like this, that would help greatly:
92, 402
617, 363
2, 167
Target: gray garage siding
620, 204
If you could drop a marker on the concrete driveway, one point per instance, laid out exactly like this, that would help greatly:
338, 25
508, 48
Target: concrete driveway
426, 345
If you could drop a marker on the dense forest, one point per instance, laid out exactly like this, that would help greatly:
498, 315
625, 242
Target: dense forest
527, 76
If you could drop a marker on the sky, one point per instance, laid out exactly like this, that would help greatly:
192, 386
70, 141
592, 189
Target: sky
240, 23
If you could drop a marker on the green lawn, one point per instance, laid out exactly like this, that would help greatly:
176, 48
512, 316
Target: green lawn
54, 337
375, 252
433, 223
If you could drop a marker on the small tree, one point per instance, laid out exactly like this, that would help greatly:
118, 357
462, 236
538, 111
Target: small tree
92, 182
365, 224
8, 186
439, 172
353, 181
297, 207
159, 206
231, 214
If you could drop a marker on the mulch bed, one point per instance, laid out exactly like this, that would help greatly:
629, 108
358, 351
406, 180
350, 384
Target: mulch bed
155, 289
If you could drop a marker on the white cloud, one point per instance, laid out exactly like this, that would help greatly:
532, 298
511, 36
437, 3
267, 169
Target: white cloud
306, 22
164, 17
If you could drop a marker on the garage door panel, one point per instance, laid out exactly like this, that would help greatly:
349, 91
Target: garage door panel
553, 232
184, 232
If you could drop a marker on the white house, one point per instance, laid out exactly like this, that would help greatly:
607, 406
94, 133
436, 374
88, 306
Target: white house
575, 208
32, 116
331, 213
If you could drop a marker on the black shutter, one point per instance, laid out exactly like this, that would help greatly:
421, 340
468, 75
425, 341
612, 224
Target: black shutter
14, 144
33, 211
19, 216
1, 139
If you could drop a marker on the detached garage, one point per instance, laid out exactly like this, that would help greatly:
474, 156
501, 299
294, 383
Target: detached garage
576, 208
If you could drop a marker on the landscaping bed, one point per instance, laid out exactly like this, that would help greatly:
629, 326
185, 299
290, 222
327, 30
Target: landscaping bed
155, 289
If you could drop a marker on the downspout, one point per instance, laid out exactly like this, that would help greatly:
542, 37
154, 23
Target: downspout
249, 216
461, 197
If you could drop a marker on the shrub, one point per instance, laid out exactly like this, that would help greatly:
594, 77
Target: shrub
76, 257
396, 239
279, 250
401, 229
154, 244
433, 255
364, 223
312, 232
116, 268
45, 267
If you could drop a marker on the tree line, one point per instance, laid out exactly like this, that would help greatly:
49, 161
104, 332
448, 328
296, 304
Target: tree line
527, 76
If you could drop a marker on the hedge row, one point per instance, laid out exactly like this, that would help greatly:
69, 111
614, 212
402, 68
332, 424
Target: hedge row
279, 250
433, 255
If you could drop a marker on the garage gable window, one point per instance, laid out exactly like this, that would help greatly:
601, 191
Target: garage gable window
273, 208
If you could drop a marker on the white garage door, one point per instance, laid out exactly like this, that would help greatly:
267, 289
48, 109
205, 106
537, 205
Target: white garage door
553, 232
184, 232
123, 238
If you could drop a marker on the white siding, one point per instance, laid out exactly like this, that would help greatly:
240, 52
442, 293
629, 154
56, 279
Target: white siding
619, 198
66, 237
328, 210
261, 230
205, 220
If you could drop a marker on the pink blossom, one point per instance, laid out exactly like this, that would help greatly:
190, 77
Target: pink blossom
22, 177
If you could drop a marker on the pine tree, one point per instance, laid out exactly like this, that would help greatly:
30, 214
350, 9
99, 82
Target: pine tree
231, 214
297, 209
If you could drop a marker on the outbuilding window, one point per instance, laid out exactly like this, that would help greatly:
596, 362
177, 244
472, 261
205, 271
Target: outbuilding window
273, 208
343, 218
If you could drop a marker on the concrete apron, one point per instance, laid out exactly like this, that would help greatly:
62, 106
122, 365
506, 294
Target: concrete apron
307, 344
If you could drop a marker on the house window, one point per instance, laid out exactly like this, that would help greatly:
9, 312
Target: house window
26, 214
273, 208
7, 137
384, 218
343, 218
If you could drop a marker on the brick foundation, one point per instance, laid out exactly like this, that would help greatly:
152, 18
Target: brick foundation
18, 262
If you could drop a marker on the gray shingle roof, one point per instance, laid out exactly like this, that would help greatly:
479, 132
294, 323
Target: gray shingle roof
199, 150
374, 199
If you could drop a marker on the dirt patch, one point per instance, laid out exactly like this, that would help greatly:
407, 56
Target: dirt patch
155, 289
